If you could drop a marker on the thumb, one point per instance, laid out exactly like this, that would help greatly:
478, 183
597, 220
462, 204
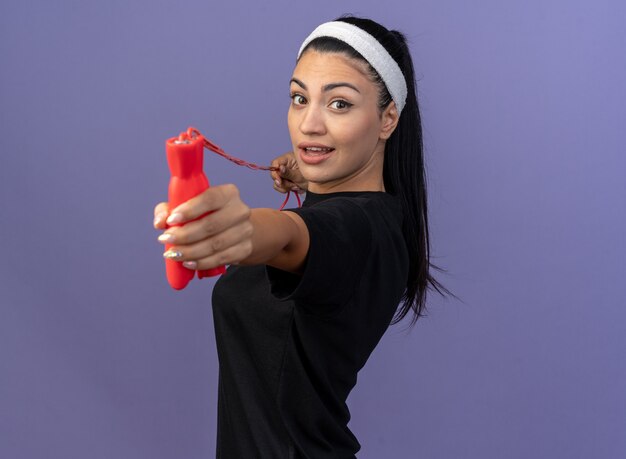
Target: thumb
289, 170
161, 212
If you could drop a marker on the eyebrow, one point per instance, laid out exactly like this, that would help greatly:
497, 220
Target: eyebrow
328, 87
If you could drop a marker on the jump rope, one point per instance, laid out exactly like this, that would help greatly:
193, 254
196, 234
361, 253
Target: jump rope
185, 161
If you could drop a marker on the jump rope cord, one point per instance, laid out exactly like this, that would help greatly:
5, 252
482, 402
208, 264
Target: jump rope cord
193, 133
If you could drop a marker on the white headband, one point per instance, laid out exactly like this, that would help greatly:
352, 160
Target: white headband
371, 50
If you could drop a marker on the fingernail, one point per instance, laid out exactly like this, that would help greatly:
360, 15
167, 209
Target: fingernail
170, 254
282, 169
174, 218
159, 218
190, 264
166, 237
277, 182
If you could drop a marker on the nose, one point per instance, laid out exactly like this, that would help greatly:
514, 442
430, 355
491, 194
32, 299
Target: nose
312, 122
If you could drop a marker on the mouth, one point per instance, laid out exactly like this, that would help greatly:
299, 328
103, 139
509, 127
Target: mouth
314, 153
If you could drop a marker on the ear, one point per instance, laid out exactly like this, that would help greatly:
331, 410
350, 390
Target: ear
390, 120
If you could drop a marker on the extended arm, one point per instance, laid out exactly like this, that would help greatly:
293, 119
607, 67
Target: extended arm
279, 239
232, 233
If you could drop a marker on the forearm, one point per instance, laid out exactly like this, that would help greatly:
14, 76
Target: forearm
218, 229
279, 239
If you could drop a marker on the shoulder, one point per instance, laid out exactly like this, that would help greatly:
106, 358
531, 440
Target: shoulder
378, 203
337, 212
378, 209
364, 203
358, 212
347, 236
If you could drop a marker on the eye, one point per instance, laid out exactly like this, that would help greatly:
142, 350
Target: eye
298, 99
340, 104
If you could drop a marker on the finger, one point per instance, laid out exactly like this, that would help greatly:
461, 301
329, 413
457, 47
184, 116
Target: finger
208, 226
210, 247
282, 159
230, 256
211, 199
280, 164
161, 211
280, 188
290, 173
277, 179
289, 185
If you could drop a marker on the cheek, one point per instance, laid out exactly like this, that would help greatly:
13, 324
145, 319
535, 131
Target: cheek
291, 124
358, 132
294, 118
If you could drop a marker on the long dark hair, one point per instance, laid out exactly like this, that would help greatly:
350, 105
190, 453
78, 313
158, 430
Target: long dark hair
404, 173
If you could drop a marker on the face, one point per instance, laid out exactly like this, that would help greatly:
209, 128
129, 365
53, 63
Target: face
337, 131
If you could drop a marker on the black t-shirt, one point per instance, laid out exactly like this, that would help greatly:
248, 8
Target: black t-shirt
290, 346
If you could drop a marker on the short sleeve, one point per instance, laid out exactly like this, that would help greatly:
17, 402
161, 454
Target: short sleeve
340, 241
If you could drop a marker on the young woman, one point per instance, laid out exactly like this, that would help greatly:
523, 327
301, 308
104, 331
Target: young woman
310, 291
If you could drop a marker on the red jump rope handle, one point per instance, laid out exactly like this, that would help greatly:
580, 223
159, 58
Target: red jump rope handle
185, 160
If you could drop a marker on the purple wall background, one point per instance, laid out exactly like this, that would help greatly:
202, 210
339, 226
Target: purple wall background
524, 114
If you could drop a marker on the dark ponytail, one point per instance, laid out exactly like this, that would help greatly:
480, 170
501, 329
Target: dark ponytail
404, 173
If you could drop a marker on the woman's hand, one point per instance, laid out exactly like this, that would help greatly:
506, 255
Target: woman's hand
288, 178
222, 237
